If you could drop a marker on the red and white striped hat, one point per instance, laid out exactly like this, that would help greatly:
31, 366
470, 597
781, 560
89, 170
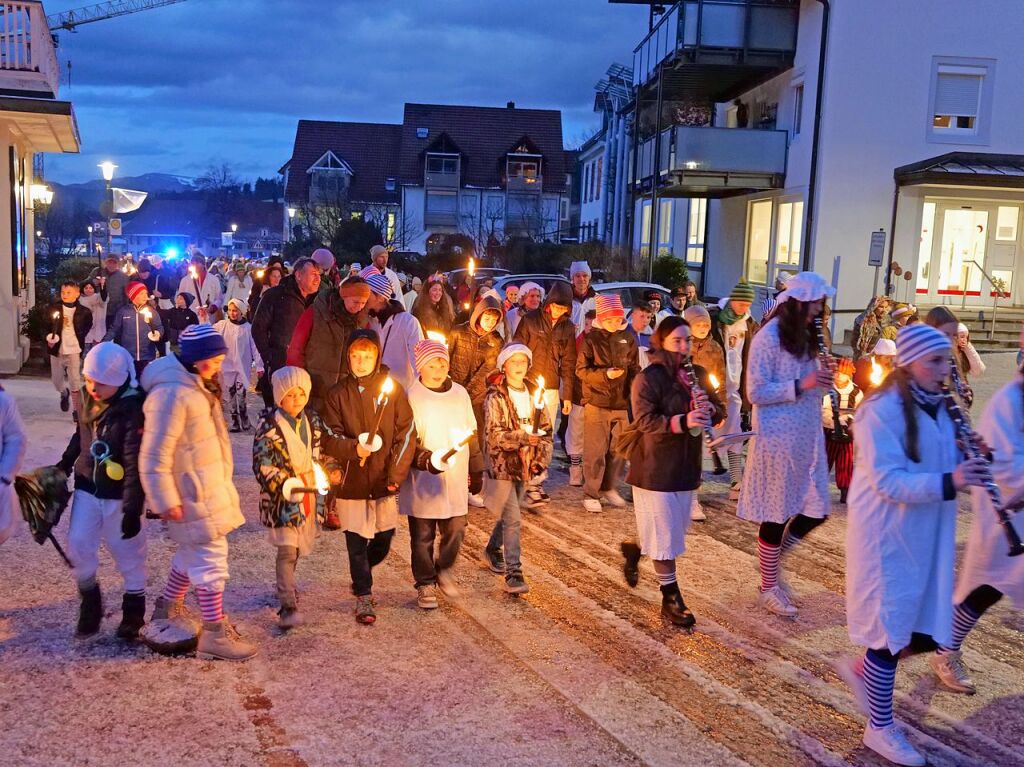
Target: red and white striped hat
134, 289
429, 349
609, 306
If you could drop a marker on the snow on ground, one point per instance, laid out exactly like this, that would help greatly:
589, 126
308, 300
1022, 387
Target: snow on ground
582, 671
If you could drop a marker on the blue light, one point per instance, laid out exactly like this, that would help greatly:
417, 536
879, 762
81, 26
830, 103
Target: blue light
170, 253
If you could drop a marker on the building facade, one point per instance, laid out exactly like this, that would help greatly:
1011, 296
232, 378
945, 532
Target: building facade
32, 121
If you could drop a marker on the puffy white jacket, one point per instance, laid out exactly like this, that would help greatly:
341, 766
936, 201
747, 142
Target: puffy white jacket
185, 458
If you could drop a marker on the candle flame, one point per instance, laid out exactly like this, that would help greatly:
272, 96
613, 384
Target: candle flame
260, 273
714, 380
56, 315
471, 269
433, 335
466, 306
538, 397
877, 374
385, 389
192, 272
322, 485
147, 314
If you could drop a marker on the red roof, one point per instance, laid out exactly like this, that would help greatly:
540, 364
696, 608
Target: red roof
371, 149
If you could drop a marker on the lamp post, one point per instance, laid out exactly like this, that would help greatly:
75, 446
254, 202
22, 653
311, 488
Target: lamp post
108, 169
234, 231
92, 248
291, 225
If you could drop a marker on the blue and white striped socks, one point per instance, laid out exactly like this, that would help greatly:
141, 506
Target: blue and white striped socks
768, 563
964, 619
880, 680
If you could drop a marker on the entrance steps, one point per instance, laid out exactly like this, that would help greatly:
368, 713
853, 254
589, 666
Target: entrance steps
1005, 333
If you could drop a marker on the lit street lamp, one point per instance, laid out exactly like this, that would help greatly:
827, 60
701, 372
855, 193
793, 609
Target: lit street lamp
108, 169
290, 234
92, 248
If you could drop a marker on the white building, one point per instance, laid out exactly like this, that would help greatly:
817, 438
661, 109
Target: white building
32, 121
918, 136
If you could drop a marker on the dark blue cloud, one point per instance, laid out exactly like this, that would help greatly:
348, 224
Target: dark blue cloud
177, 88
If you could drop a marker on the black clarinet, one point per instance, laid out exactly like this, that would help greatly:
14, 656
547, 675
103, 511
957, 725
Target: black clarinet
691, 379
963, 389
969, 440
837, 424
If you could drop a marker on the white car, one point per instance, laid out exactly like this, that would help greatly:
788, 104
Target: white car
632, 292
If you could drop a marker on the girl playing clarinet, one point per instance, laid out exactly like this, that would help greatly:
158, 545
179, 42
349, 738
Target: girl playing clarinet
988, 573
901, 530
785, 488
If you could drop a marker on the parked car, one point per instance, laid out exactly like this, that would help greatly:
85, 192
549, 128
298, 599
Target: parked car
544, 280
457, 277
631, 292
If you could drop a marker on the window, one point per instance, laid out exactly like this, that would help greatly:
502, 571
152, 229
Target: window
564, 210
442, 202
442, 164
665, 227
787, 243
422, 132
695, 235
1006, 224
389, 184
391, 226
961, 100
645, 230
759, 236
597, 178
798, 109
924, 253
357, 215
586, 182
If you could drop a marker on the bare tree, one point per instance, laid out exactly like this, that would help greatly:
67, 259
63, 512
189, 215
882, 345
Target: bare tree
217, 178
485, 226
397, 233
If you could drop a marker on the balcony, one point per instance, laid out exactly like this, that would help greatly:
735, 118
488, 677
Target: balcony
28, 60
441, 171
712, 162
713, 50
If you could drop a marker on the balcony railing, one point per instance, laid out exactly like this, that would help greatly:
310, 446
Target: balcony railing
750, 31
28, 60
524, 183
714, 158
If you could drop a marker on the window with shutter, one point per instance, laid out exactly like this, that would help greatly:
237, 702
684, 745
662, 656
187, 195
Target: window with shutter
957, 99
961, 100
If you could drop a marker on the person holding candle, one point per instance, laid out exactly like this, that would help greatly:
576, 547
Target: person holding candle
179, 318
871, 370
95, 301
103, 458
708, 354
137, 327
373, 437
518, 446
837, 407
447, 468
242, 358
398, 329
70, 323
379, 256
206, 288
473, 350
239, 283
284, 453
113, 282
608, 362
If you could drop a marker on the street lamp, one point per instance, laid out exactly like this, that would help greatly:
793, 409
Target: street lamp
108, 168
291, 225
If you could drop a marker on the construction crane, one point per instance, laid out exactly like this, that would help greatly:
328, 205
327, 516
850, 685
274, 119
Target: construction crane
69, 20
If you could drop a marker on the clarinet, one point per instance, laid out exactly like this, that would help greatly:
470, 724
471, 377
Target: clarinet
963, 389
969, 439
837, 425
694, 384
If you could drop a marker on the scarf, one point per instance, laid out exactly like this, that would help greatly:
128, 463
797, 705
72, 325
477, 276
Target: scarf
726, 316
72, 305
240, 321
928, 401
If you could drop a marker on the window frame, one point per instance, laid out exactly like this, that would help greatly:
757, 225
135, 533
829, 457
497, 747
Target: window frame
798, 108
980, 134
772, 265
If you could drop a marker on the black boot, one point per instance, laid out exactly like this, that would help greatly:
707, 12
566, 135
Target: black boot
631, 567
674, 608
90, 611
719, 466
133, 616
842, 494
235, 428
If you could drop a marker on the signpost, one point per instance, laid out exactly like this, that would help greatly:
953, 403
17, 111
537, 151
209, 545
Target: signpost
876, 254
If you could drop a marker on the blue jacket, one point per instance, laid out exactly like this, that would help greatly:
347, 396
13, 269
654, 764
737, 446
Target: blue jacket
130, 330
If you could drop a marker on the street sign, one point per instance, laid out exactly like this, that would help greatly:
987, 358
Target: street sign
115, 227
877, 251
227, 239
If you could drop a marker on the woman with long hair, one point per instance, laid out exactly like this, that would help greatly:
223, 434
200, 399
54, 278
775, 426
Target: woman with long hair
785, 485
966, 361
272, 276
901, 530
868, 326
665, 461
433, 308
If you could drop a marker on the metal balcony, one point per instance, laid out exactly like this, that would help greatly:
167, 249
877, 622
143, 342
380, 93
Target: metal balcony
712, 162
28, 60
713, 50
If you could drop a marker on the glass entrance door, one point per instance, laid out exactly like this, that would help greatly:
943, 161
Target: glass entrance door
958, 254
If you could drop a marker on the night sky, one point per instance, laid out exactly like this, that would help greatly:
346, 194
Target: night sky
175, 89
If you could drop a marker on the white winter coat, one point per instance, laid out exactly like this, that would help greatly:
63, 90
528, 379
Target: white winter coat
900, 534
398, 339
442, 419
210, 294
185, 458
12, 451
985, 559
98, 307
786, 472
239, 289
242, 352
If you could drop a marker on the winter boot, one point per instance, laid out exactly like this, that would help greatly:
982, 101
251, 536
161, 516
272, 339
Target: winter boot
289, 617
842, 494
243, 412
674, 608
631, 565
576, 470
171, 628
235, 426
365, 613
65, 401
133, 616
221, 641
90, 611
719, 466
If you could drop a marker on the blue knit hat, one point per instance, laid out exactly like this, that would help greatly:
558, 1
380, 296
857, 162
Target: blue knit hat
379, 284
918, 340
200, 342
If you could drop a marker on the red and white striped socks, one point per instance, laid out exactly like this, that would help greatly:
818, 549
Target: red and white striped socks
211, 604
177, 586
768, 562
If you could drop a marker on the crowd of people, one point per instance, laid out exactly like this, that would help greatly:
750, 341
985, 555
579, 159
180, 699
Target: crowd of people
383, 404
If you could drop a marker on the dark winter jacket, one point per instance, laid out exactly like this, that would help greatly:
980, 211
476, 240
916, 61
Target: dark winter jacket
131, 331
438, 318
474, 356
600, 351
278, 314
317, 342
81, 320
553, 344
664, 460
718, 333
118, 424
176, 320
113, 288
349, 408
707, 353
507, 453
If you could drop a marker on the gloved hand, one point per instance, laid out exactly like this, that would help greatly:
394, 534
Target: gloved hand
131, 524
476, 482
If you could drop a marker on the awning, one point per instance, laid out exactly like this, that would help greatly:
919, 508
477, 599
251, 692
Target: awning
45, 125
1005, 171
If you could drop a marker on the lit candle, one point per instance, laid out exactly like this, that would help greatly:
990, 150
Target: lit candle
538, 405
322, 484
471, 268
260, 273
195, 283
382, 400
433, 335
877, 374
466, 306
714, 381
458, 446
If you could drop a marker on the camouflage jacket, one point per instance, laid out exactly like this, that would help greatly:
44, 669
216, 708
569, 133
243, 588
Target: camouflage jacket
508, 455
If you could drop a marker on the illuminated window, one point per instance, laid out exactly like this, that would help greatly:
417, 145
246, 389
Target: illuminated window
759, 238
695, 233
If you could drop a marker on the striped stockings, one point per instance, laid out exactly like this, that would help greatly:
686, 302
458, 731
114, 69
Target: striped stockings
211, 604
177, 586
768, 562
880, 680
964, 619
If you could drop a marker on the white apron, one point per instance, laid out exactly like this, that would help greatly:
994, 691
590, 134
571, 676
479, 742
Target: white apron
300, 454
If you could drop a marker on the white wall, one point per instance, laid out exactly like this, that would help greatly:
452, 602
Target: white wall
590, 212
411, 213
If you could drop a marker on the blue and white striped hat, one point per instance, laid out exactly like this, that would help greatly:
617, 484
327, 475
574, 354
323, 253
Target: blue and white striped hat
200, 342
367, 271
379, 284
767, 307
915, 341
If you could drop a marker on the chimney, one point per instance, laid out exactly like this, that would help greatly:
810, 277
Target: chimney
510, 105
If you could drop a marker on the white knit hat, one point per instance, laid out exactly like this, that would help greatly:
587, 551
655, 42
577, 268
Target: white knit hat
919, 340
510, 351
806, 287
242, 306
526, 287
579, 266
287, 378
884, 347
110, 364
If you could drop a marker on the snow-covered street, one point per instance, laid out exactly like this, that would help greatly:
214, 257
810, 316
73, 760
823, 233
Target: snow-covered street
581, 671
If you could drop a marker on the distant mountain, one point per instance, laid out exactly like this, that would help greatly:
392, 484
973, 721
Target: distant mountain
148, 182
